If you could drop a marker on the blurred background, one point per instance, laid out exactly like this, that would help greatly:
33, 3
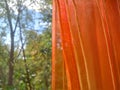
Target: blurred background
25, 44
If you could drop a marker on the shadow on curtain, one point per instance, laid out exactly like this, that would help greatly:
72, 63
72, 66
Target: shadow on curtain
86, 45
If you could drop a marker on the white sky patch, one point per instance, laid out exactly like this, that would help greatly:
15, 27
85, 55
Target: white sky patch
34, 5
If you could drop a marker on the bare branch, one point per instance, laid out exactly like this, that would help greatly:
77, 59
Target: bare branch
24, 58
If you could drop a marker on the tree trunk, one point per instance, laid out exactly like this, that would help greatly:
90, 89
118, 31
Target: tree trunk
24, 58
11, 58
11, 63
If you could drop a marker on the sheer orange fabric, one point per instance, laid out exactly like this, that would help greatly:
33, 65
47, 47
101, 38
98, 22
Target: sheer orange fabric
86, 45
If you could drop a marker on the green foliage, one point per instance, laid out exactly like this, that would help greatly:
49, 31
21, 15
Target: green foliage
3, 60
37, 47
39, 54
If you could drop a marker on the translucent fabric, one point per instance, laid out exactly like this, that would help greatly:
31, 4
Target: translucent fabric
86, 45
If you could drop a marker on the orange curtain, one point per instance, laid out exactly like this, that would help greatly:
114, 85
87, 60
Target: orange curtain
86, 45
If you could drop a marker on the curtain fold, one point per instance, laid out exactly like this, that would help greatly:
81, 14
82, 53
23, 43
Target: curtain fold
86, 45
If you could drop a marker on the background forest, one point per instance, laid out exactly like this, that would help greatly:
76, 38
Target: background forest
25, 44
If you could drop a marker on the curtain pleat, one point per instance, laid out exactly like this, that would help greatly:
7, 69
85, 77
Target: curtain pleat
86, 45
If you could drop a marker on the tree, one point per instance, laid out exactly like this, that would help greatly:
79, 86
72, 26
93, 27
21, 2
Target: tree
16, 18
12, 20
11, 58
38, 51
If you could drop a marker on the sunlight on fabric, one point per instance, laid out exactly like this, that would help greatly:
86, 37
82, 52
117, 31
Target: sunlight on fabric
86, 45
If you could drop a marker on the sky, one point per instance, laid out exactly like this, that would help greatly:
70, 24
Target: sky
34, 10
36, 6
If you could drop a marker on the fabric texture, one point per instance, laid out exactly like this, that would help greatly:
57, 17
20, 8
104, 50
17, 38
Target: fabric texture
86, 45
